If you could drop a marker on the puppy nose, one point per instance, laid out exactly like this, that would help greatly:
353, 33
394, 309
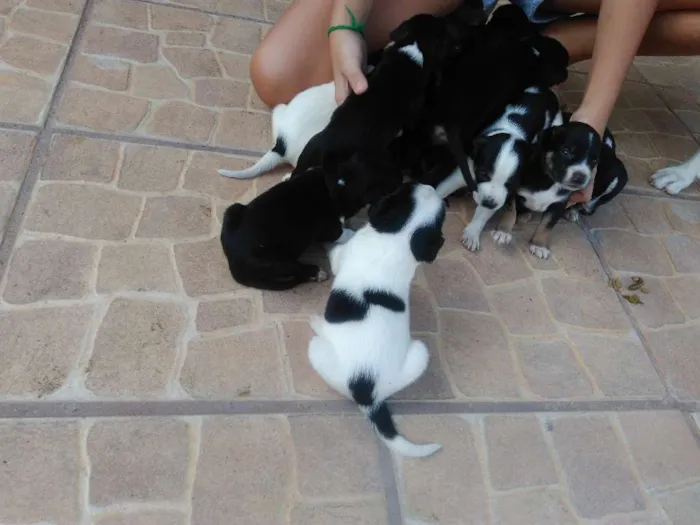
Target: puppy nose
489, 203
579, 178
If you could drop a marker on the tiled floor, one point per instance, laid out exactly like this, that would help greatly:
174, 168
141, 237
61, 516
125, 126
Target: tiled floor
556, 401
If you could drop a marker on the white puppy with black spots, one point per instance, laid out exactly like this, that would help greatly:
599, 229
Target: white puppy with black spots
363, 346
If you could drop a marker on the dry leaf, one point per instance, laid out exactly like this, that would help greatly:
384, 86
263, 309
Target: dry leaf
644, 289
634, 287
616, 284
633, 299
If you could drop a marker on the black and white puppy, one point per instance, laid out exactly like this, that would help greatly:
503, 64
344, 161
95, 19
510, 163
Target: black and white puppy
675, 179
293, 125
363, 346
263, 240
499, 155
569, 156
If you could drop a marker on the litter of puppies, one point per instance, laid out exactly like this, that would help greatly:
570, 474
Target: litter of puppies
454, 102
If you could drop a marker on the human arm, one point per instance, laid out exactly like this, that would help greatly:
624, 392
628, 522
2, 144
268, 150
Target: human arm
621, 27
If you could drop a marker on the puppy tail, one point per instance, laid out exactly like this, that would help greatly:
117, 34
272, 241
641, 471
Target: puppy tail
267, 162
383, 422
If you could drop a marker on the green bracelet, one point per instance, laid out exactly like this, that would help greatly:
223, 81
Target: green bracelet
356, 26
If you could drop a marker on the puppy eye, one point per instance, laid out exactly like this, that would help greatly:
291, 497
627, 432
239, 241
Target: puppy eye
341, 182
567, 153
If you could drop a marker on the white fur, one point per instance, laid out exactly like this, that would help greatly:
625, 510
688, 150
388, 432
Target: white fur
413, 52
592, 204
451, 184
471, 234
581, 167
380, 343
297, 122
501, 238
541, 200
675, 179
505, 167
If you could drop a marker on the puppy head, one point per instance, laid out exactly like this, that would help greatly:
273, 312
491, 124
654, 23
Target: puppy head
570, 154
552, 59
429, 40
496, 162
415, 210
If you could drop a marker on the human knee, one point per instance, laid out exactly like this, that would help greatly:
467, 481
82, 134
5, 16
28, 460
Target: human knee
268, 74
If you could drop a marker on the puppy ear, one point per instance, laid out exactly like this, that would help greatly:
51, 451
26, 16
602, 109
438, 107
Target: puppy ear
402, 32
426, 242
553, 59
391, 212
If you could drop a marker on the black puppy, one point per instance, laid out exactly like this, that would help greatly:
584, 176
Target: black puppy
264, 239
569, 156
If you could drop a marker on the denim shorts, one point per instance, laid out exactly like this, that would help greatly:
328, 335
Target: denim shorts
532, 8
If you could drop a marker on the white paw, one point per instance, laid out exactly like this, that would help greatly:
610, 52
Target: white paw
470, 240
321, 276
501, 237
540, 251
572, 215
287, 177
673, 180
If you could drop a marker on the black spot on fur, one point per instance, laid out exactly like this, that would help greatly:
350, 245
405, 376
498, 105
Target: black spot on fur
343, 306
391, 213
383, 422
280, 146
361, 385
427, 240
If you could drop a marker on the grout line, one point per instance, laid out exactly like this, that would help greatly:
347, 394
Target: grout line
162, 3
20, 127
693, 427
653, 192
41, 148
151, 141
391, 488
76, 409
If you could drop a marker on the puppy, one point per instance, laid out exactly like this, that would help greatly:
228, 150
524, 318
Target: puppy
499, 154
263, 240
675, 179
293, 125
363, 346
569, 156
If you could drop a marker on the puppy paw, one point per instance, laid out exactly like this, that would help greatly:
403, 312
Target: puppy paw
321, 276
672, 180
572, 214
501, 237
541, 252
287, 177
470, 240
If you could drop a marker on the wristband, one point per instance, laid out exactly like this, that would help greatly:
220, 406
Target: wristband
357, 27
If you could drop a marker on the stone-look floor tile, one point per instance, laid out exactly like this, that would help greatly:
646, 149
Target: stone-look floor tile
58, 27
33, 55
122, 13
201, 176
518, 455
297, 335
630, 252
106, 72
595, 465
452, 232
40, 472
8, 194
658, 308
45, 270
193, 63
151, 168
574, 253
477, 355
81, 158
612, 215
307, 298
684, 217
157, 82
180, 120
136, 267
663, 448
690, 119
152, 517
137, 460
86, 211
454, 285
588, 304
674, 148
545, 507
638, 170
122, 43
177, 217
637, 145
630, 120
619, 366
523, 309
214, 367
244, 129
497, 264
203, 268
686, 292
447, 488
221, 92
551, 370
423, 315
639, 95
370, 513
39, 348
102, 110
433, 384
324, 473
648, 215
23, 98
683, 505
135, 348
685, 253
679, 361
226, 313
250, 480
666, 122
170, 19
239, 36
15, 153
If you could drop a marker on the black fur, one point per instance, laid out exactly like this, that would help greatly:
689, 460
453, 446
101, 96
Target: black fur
342, 306
263, 240
280, 146
427, 241
362, 388
391, 213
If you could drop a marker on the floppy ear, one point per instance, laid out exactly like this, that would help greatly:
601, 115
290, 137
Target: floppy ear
512, 19
426, 242
390, 213
402, 32
553, 60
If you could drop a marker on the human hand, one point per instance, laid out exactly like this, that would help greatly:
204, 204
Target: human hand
348, 57
584, 195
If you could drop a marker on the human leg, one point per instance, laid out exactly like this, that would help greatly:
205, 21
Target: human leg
295, 53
